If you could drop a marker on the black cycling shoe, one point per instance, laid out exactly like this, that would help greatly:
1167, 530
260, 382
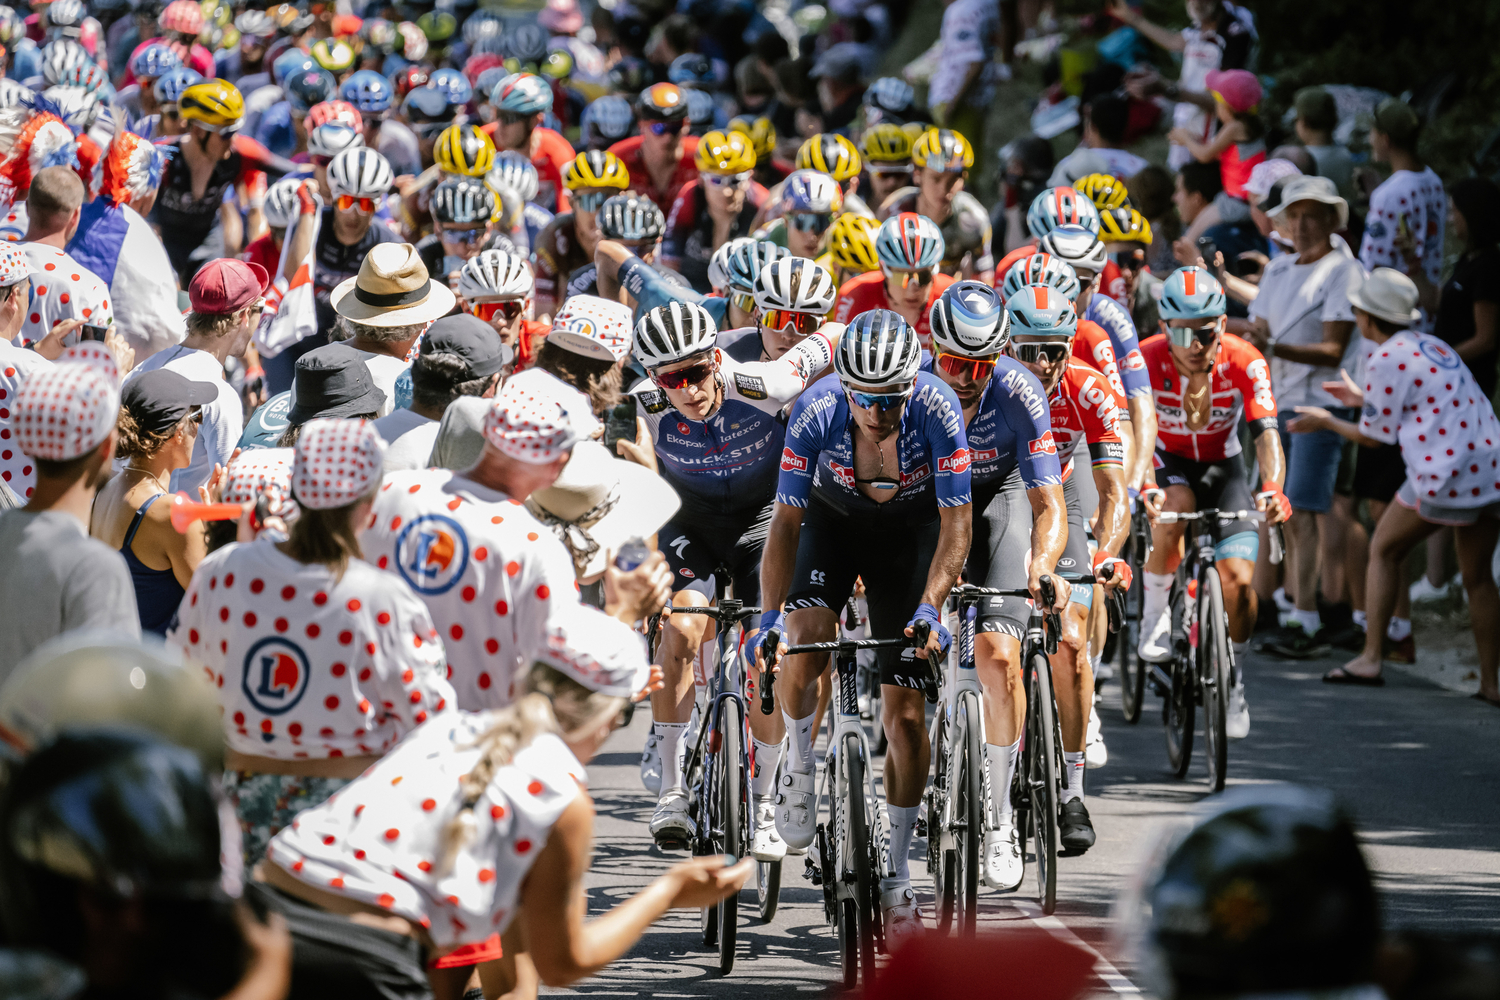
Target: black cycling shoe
1077, 831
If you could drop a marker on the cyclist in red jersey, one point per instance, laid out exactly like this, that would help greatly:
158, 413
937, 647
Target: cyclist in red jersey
521, 100
663, 157
910, 248
1202, 379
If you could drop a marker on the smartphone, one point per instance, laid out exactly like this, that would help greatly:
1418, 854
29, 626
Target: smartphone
619, 424
1207, 249
90, 332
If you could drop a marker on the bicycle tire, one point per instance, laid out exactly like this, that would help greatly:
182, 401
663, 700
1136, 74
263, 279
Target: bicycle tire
706, 770
861, 855
767, 888
848, 928
732, 815
940, 859
969, 811
1213, 652
1177, 710
1129, 665
1042, 782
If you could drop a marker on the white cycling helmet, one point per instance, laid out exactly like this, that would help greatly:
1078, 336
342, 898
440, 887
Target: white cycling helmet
909, 241
718, 264
969, 320
514, 171
495, 274
1075, 246
1040, 268
795, 284
13, 94
282, 204
332, 138
672, 332
878, 349
360, 172
60, 57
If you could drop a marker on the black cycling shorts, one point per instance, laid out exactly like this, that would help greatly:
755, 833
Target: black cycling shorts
891, 552
1220, 484
697, 543
999, 555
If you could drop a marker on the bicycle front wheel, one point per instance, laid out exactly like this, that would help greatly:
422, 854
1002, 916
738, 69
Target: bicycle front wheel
968, 814
1042, 781
861, 855
732, 812
1128, 661
1213, 666
1177, 712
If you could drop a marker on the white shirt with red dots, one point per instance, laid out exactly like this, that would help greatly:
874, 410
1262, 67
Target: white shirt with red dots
381, 838
16, 468
499, 583
1419, 394
61, 289
306, 665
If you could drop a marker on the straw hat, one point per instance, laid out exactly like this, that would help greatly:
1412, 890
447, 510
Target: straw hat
392, 289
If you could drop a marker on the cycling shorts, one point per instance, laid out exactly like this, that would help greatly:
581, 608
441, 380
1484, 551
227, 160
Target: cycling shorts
889, 550
1075, 560
1220, 484
697, 544
1000, 553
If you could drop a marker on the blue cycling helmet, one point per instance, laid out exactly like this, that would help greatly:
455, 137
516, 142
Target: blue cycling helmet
527, 44
909, 241
701, 108
170, 85
154, 61
692, 69
744, 264
606, 120
1191, 293
307, 87
454, 84
1041, 310
969, 320
522, 94
1040, 269
368, 91
1061, 206
289, 62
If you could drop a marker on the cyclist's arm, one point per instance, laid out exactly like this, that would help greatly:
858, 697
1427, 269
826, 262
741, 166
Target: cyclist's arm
302, 243
770, 385
608, 256
779, 557
1113, 521
1269, 457
1049, 533
254, 156
954, 534
233, 227
1143, 434
680, 223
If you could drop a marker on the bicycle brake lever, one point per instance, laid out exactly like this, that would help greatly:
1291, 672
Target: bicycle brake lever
1115, 610
767, 676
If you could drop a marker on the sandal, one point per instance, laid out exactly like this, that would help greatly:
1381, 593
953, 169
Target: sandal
1338, 675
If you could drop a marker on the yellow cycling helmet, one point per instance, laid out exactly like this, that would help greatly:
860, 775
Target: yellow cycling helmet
914, 130
886, 144
725, 153
761, 132
213, 104
943, 150
333, 54
831, 154
465, 150
1106, 191
851, 242
596, 169
1119, 225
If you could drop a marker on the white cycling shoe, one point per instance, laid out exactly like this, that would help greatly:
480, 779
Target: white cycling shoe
766, 844
651, 765
1004, 867
1237, 713
1095, 753
671, 826
796, 809
898, 904
1156, 637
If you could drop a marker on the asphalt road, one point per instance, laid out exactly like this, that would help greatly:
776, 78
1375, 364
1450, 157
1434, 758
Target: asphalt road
1417, 765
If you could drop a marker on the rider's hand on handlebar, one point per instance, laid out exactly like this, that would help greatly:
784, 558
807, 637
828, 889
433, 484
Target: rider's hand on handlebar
1274, 502
1153, 497
1113, 572
641, 592
1062, 592
938, 637
772, 636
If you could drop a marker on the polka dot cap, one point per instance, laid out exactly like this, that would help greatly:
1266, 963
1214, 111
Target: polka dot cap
96, 356
528, 424
337, 462
64, 412
14, 264
263, 472
593, 327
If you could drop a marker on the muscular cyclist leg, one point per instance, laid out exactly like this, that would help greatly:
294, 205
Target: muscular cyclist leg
1072, 678
1166, 539
672, 706
1239, 596
797, 684
904, 712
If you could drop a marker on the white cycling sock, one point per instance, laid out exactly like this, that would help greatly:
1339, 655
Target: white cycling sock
670, 744
903, 820
1241, 650
1000, 762
1361, 618
1398, 629
767, 756
1074, 764
1311, 621
1158, 587
801, 732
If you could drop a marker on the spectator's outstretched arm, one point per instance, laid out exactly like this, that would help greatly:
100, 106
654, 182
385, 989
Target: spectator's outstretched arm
1165, 37
608, 256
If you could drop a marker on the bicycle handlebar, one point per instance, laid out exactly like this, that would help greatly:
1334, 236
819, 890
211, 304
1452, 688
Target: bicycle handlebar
1277, 539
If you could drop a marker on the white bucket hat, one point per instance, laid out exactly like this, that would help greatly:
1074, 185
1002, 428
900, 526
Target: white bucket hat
1387, 294
1320, 189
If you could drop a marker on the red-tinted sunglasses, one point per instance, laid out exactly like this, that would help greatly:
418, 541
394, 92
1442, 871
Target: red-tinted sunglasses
685, 376
780, 319
348, 201
487, 311
978, 369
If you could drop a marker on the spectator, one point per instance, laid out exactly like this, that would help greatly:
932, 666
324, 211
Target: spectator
1240, 142
1465, 308
1409, 205
17, 469
585, 352
1151, 192
1303, 323
1025, 165
840, 76
156, 431
56, 578
227, 297
460, 356
963, 85
460, 436
332, 381
1105, 119
1198, 184
64, 289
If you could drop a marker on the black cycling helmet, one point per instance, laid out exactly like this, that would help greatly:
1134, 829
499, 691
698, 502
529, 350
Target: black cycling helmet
462, 200
662, 102
1268, 894
631, 217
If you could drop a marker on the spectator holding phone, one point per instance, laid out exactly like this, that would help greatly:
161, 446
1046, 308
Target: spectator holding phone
63, 288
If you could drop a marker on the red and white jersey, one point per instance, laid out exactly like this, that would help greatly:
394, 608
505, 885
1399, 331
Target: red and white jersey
1085, 408
864, 292
306, 664
1240, 382
381, 838
498, 582
1419, 394
1092, 346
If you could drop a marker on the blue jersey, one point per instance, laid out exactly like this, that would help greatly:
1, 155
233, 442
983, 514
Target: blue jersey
650, 289
1010, 429
1122, 336
931, 447
534, 219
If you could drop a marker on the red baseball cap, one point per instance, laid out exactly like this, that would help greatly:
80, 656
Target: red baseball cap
227, 285
1237, 88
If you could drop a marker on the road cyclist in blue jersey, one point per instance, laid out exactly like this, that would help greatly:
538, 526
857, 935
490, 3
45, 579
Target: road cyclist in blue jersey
1020, 528
718, 437
874, 484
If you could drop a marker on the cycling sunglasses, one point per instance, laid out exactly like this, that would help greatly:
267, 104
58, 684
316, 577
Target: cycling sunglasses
811, 222
922, 276
743, 301
780, 319
881, 171
347, 201
726, 180
682, 377
1130, 260
978, 369
509, 309
1052, 352
1183, 336
461, 235
879, 400
665, 128
590, 201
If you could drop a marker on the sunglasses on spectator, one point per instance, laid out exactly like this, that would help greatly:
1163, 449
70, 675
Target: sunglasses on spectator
195, 416
665, 128
922, 275
780, 319
879, 400
1183, 336
462, 235
726, 180
743, 301
978, 369
1052, 352
692, 375
347, 201
509, 309
811, 222
590, 201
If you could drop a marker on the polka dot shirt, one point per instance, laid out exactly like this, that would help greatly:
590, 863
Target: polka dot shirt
308, 666
16, 468
498, 583
61, 288
380, 839
1418, 393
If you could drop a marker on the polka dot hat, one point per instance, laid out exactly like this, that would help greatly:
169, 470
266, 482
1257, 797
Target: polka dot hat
593, 327
64, 412
529, 424
96, 356
263, 472
337, 462
14, 264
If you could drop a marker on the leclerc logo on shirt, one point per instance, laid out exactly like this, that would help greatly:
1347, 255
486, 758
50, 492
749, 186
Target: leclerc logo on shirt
792, 462
1043, 445
275, 676
432, 553
955, 463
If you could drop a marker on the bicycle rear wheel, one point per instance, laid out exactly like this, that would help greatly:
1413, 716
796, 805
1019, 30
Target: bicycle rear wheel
730, 838
968, 814
1131, 669
1213, 661
860, 855
1042, 781
1177, 712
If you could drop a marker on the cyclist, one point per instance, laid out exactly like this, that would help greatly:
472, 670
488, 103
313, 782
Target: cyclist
1084, 409
604, 122
662, 158
497, 287
851, 247
569, 240
942, 159
461, 208
464, 150
833, 154
810, 202
717, 437
714, 208
372, 94
635, 225
768, 170
874, 484
521, 101
909, 248
1203, 379
1123, 230
514, 178
887, 153
1018, 509
1056, 206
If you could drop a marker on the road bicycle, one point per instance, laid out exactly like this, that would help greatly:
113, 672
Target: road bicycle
1202, 662
1129, 667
